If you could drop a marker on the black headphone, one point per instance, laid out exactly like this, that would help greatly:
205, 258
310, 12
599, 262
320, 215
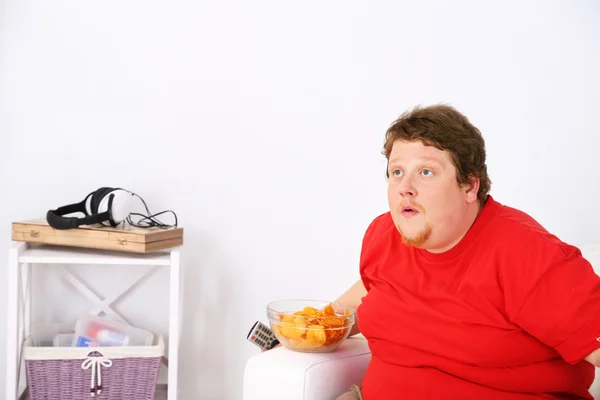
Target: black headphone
107, 206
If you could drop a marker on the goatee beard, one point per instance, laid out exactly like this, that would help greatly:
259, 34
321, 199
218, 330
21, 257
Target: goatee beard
418, 240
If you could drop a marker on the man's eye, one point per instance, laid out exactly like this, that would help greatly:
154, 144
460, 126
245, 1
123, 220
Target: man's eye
426, 172
397, 173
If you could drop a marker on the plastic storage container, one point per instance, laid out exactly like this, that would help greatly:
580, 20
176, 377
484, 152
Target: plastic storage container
93, 331
63, 340
43, 334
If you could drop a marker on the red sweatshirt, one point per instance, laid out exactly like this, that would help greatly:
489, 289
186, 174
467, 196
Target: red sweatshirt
508, 313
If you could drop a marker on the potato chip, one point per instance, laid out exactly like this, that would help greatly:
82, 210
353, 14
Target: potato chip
316, 334
293, 327
333, 321
307, 312
327, 310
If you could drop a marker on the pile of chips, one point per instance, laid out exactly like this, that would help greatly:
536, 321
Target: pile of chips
312, 329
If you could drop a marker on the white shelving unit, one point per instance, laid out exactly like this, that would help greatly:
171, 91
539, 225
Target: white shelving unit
23, 257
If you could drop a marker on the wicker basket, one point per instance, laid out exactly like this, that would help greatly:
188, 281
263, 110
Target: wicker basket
103, 373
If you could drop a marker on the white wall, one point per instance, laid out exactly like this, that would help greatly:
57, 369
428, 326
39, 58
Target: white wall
261, 124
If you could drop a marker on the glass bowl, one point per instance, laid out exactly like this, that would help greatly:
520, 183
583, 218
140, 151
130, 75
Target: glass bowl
310, 326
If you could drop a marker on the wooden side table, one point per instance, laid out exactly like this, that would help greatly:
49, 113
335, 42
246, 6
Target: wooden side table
22, 257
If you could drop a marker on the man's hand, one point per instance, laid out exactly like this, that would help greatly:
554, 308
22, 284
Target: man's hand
352, 298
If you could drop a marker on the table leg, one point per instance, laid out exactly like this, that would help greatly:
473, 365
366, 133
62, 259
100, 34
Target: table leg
174, 324
13, 311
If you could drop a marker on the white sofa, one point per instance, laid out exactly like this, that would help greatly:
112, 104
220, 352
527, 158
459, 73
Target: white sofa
282, 374
287, 375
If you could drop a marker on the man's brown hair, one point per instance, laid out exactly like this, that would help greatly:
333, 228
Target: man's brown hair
443, 127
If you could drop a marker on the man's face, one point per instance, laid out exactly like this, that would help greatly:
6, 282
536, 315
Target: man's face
427, 205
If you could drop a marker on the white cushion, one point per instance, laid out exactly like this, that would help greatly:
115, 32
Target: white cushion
284, 374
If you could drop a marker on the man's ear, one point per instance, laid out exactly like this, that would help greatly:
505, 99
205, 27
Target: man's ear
471, 189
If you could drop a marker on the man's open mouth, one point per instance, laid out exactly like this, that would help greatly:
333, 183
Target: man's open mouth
408, 211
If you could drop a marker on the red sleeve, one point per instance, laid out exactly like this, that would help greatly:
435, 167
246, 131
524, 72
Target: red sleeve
563, 307
366, 267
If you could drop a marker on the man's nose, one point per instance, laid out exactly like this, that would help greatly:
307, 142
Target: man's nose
406, 188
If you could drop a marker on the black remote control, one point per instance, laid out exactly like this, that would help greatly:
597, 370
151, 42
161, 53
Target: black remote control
262, 336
